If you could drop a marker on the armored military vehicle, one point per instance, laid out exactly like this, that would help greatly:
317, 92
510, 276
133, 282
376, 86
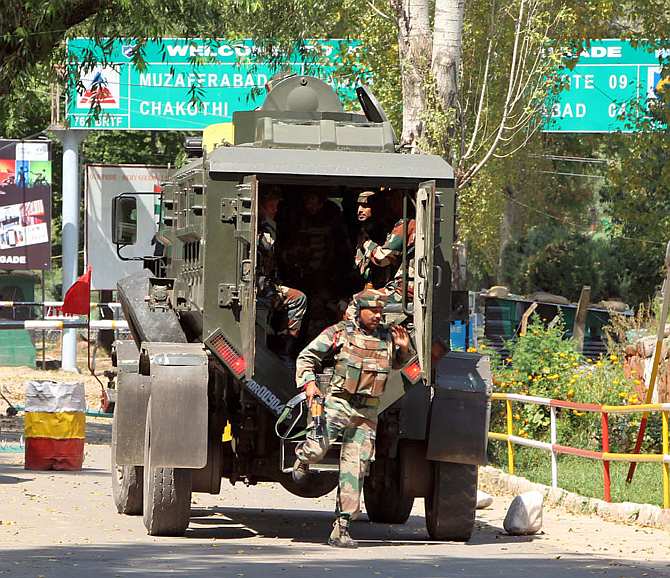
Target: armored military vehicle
199, 387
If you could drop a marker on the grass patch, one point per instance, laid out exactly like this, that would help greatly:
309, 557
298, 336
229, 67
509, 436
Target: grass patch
585, 477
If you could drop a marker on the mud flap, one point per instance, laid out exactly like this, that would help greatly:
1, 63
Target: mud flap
132, 396
178, 374
461, 409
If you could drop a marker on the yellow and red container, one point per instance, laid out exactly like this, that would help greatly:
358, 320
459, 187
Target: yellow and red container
55, 425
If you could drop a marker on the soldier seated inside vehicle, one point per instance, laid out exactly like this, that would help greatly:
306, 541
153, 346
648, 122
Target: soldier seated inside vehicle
326, 252
288, 302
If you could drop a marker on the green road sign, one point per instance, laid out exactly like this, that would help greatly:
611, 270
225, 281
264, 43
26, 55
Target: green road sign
221, 76
608, 89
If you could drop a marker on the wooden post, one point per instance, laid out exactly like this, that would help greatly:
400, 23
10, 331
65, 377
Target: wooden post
525, 317
580, 318
665, 307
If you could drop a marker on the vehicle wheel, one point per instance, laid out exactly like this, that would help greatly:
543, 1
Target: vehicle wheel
316, 486
127, 482
451, 506
384, 501
167, 494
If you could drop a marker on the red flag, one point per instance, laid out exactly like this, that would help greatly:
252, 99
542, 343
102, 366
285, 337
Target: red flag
77, 300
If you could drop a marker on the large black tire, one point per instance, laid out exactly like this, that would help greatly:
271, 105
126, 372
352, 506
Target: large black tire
451, 506
384, 501
167, 495
318, 484
127, 482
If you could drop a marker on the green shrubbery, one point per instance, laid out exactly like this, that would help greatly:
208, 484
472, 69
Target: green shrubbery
544, 363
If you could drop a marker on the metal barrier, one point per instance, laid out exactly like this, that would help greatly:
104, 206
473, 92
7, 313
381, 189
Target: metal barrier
605, 456
64, 324
53, 319
61, 322
11, 304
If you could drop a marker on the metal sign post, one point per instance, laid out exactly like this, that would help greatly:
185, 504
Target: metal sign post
71, 201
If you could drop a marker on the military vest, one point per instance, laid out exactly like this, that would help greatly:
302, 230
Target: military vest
363, 364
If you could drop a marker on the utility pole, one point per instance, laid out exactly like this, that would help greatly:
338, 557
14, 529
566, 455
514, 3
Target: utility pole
70, 226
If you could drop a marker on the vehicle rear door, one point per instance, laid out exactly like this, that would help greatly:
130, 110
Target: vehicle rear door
424, 273
247, 240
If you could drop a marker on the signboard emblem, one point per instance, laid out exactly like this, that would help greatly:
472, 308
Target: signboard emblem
101, 87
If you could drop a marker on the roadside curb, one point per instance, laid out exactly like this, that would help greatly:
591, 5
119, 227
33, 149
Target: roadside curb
495, 481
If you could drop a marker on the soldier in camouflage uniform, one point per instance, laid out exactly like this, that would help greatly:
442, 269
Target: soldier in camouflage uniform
270, 290
364, 352
371, 229
389, 255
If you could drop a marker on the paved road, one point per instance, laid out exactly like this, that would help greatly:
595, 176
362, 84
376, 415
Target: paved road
64, 524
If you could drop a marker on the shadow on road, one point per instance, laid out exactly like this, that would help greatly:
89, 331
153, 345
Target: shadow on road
262, 561
313, 527
12, 479
99, 432
36, 473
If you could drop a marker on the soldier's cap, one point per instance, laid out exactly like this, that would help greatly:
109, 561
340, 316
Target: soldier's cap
366, 197
370, 298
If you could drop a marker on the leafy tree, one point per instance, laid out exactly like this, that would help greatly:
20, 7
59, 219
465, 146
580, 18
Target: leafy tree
460, 79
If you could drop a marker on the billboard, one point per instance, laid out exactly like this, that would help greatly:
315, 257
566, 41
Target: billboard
103, 183
226, 77
608, 88
25, 204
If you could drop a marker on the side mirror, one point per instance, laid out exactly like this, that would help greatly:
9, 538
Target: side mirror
124, 220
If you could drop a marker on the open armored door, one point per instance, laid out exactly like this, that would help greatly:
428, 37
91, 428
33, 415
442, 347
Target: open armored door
247, 228
423, 273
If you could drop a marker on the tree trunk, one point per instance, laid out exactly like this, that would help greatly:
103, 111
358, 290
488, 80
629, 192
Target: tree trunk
446, 60
414, 42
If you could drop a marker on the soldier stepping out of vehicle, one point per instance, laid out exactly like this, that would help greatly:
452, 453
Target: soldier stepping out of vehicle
270, 290
364, 352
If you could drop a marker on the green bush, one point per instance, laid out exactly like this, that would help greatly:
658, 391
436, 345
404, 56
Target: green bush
544, 363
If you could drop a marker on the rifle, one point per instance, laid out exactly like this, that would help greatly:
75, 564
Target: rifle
316, 415
318, 419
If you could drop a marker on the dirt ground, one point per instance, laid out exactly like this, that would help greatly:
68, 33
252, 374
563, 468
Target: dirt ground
55, 524
13, 379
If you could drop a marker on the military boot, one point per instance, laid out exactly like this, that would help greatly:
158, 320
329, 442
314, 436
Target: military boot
300, 472
339, 537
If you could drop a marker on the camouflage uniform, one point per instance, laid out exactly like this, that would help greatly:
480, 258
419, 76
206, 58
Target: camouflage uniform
371, 231
362, 364
270, 291
390, 255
